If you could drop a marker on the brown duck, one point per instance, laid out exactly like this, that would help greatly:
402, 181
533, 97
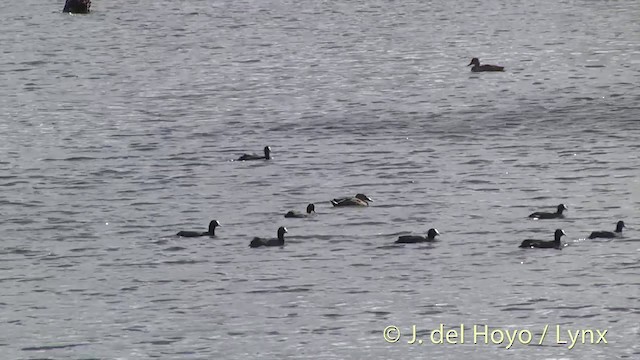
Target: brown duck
358, 200
486, 67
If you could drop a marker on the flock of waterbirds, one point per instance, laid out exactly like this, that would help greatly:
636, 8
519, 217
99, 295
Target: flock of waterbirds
363, 200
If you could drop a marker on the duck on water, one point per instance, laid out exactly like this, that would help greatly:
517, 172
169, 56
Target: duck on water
411, 239
212, 231
258, 242
358, 200
548, 215
485, 67
297, 214
541, 244
267, 155
609, 234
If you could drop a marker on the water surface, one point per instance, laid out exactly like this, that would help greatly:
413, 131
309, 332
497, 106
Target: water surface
120, 127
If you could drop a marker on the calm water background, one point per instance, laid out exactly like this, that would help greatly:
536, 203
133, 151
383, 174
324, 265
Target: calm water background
118, 129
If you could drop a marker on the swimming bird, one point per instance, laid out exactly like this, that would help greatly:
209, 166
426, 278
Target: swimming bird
212, 231
608, 234
297, 214
548, 215
410, 239
555, 244
257, 242
77, 6
267, 155
486, 67
358, 200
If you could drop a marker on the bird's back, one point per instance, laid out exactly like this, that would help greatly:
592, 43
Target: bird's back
410, 239
545, 215
531, 243
349, 202
189, 233
602, 234
294, 214
250, 157
256, 242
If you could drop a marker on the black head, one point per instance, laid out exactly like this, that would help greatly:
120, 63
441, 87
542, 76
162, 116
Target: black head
267, 152
474, 61
432, 233
559, 233
311, 208
363, 197
281, 231
561, 208
212, 226
619, 226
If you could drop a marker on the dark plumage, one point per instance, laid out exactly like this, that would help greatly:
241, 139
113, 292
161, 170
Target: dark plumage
257, 242
478, 68
267, 155
212, 231
608, 234
410, 239
555, 244
358, 200
297, 214
77, 6
548, 215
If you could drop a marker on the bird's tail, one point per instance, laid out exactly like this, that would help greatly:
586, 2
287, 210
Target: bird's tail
256, 242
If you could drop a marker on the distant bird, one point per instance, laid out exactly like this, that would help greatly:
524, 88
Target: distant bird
77, 6
358, 200
555, 244
212, 231
297, 214
410, 239
267, 155
548, 215
486, 67
609, 234
257, 242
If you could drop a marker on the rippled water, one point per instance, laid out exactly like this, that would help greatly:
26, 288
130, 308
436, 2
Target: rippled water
118, 130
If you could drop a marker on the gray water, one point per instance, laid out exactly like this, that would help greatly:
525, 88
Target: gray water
119, 129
